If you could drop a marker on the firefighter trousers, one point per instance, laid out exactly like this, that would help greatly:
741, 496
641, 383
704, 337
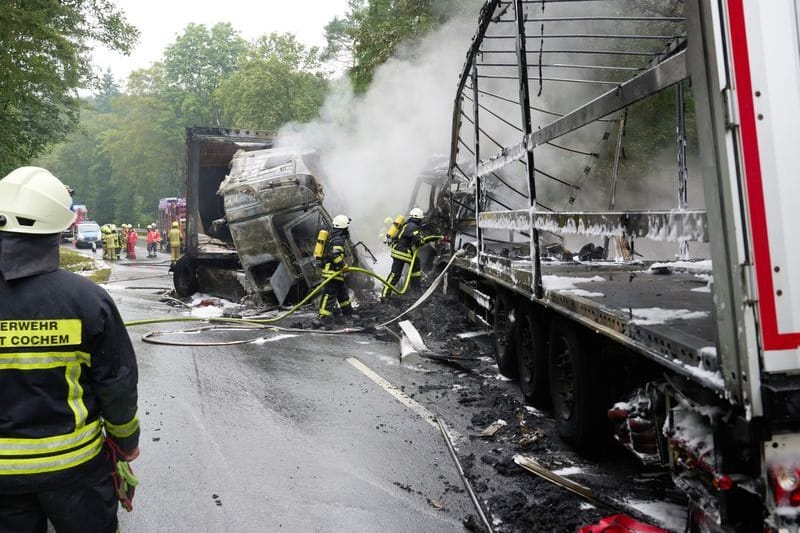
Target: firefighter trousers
87, 505
397, 272
335, 291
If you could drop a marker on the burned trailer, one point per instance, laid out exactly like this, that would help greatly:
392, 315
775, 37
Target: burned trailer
693, 365
253, 214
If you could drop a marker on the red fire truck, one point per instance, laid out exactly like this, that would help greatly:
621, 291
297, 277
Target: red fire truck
170, 210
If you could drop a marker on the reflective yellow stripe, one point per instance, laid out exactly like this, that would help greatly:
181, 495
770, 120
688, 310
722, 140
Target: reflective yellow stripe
63, 461
403, 256
328, 272
75, 394
45, 445
42, 332
323, 307
42, 360
123, 430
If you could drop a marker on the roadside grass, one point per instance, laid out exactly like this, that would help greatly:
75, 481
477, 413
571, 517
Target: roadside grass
83, 265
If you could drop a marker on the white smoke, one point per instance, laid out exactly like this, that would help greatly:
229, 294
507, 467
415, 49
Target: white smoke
373, 146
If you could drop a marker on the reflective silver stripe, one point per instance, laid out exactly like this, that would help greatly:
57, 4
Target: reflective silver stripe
75, 394
42, 360
11, 446
39, 465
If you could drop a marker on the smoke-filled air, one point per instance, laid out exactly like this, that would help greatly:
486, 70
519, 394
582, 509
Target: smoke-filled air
373, 146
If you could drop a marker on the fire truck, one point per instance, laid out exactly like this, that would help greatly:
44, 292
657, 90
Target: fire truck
170, 210
677, 333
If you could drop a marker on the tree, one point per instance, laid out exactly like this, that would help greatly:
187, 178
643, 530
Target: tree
44, 57
372, 31
195, 65
107, 89
276, 83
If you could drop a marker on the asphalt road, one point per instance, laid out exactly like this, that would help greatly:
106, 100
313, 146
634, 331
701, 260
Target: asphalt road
311, 432
293, 433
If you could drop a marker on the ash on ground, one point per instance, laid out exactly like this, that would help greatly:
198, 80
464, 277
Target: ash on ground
467, 392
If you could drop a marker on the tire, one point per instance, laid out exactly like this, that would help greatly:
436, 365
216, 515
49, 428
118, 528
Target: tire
184, 277
505, 346
532, 357
577, 389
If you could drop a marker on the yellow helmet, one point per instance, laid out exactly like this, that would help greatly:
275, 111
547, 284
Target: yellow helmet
175, 224
34, 201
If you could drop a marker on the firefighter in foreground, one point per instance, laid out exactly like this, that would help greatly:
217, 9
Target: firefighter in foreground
68, 378
175, 239
333, 261
404, 236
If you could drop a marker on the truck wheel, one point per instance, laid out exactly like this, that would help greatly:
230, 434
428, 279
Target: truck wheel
184, 277
532, 357
576, 389
505, 346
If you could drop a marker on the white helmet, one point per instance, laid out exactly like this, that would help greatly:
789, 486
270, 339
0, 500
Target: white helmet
34, 201
415, 213
341, 221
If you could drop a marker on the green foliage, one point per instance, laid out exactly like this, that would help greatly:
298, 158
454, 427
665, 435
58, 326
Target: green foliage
275, 84
44, 58
371, 33
195, 65
129, 150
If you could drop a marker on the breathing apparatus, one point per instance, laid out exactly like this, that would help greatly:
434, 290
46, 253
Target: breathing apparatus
394, 227
319, 247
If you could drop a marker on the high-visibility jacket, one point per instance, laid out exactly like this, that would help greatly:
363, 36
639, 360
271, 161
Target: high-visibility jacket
68, 374
153, 236
174, 237
335, 253
409, 238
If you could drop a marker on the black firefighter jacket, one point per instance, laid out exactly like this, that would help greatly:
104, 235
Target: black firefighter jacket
67, 373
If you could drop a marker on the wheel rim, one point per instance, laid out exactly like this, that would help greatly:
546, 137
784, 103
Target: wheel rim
565, 375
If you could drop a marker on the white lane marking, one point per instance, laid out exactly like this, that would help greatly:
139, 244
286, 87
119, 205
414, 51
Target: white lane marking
398, 395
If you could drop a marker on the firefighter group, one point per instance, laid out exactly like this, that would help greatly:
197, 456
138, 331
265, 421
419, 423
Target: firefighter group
404, 237
116, 239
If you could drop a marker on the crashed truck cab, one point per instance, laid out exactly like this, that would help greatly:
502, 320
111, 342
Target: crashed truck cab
253, 214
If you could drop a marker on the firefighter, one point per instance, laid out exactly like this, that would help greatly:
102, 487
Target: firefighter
132, 237
117, 243
107, 245
68, 382
123, 237
334, 265
175, 240
153, 238
408, 239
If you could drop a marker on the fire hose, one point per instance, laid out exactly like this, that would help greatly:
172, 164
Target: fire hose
266, 323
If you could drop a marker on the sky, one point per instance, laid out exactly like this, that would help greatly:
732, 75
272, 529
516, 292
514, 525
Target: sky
161, 21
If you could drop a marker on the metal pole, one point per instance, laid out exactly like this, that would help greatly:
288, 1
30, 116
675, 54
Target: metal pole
524, 101
474, 497
683, 172
615, 173
478, 179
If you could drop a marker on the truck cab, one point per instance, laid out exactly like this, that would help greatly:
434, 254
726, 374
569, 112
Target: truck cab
253, 213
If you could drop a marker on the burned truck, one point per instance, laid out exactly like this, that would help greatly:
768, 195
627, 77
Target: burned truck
252, 216
691, 365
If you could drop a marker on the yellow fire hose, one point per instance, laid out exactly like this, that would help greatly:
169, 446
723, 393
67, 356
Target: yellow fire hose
264, 323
